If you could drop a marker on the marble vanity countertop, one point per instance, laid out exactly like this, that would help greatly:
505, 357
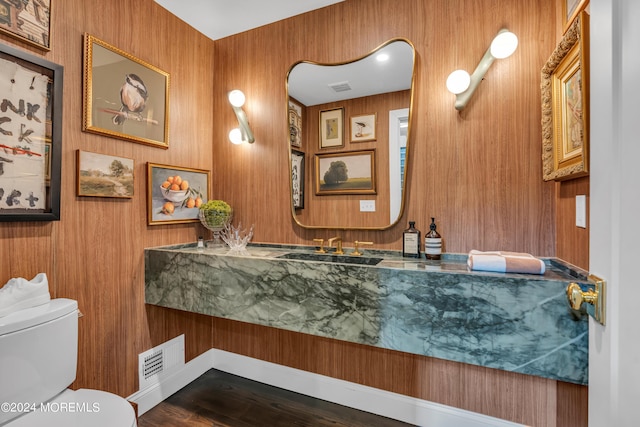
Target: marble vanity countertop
514, 322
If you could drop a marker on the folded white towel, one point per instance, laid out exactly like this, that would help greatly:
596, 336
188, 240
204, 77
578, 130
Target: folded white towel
505, 262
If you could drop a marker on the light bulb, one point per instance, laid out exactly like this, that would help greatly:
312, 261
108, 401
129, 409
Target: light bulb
235, 136
504, 44
458, 81
236, 98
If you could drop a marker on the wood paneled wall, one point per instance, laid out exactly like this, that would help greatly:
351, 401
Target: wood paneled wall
478, 172
94, 254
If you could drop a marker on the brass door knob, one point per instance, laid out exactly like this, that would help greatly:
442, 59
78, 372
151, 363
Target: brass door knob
594, 297
577, 296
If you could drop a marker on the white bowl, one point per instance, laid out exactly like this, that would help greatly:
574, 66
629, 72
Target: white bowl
175, 196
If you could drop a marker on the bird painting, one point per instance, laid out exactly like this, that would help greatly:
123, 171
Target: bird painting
133, 95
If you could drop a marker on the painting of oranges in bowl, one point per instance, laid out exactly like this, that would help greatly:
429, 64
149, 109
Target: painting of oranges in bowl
176, 193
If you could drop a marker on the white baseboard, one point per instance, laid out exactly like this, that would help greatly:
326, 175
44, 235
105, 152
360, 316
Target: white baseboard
368, 399
153, 395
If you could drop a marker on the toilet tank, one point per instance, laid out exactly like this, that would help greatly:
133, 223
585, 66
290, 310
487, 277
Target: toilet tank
38, 353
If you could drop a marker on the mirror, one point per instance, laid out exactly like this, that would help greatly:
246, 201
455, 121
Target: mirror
349, 138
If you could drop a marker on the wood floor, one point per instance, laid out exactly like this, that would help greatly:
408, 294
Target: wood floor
218, 399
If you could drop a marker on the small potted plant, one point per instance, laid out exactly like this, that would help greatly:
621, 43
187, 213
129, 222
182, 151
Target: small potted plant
214, 215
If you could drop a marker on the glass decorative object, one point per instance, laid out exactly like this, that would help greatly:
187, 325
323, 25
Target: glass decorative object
214, 216
237, 238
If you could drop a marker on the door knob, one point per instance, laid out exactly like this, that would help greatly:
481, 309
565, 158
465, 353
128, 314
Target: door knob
594, 297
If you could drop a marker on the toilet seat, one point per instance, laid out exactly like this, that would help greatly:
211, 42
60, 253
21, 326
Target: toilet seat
80, 408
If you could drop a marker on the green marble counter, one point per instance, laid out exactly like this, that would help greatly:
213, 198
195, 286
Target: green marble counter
514, 322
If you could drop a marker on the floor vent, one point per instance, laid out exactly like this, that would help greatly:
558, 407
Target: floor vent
160, 361
153, 364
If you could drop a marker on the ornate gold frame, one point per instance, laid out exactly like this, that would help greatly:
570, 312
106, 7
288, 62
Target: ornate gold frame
102, 95
565, 125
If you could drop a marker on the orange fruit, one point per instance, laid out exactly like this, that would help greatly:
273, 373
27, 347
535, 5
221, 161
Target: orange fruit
184, 185
168, 208
177, 179
175, 187
166, 184
198, 202
190, 202
170, 179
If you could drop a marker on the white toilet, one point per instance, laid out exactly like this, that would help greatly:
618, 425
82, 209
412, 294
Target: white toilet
38, 359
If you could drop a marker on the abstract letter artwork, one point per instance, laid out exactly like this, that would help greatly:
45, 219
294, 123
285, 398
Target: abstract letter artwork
23, 145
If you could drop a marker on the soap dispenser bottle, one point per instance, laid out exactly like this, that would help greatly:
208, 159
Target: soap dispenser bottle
432, 242
411, 241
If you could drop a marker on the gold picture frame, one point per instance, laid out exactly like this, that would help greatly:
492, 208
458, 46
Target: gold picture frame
346, 172
565, 105
124, 97
570, 11
363, 127
332, 128
28, 21
169, 205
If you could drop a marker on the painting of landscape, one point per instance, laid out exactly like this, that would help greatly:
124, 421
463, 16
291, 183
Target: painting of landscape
101, 175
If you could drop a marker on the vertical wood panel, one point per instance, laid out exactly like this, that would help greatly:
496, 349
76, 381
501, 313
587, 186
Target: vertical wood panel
573, 242
478, 172
94, 254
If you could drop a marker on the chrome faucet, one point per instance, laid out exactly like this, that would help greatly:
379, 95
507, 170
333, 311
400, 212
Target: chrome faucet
338, 241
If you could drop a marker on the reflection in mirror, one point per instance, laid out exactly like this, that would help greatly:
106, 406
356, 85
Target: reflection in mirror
335, 113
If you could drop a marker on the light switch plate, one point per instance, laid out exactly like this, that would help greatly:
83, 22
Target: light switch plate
581, 211
367, 205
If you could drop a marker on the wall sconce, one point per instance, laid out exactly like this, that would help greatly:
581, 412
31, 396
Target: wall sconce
463, 85
242, 133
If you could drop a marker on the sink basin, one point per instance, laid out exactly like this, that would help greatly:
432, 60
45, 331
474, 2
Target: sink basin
344, 259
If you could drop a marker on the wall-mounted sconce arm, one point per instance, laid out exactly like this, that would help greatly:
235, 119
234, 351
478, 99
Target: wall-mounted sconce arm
243, 133
463, 86
478, 74
245, 129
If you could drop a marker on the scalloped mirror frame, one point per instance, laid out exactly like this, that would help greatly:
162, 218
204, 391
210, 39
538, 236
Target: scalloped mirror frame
309, 158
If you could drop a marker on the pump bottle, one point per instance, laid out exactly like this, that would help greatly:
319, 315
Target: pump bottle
432, 242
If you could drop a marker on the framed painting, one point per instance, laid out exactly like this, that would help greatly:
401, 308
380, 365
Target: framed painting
363, 128
570, 11
27, 20
348, 172
565, 105
124, 97
102, 175
174, 194
295, 123
332, 128
30, 137
297, 179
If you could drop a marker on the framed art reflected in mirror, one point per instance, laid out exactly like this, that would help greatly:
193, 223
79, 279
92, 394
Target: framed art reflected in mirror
297, 179
295, 124
332, 128
347, 172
